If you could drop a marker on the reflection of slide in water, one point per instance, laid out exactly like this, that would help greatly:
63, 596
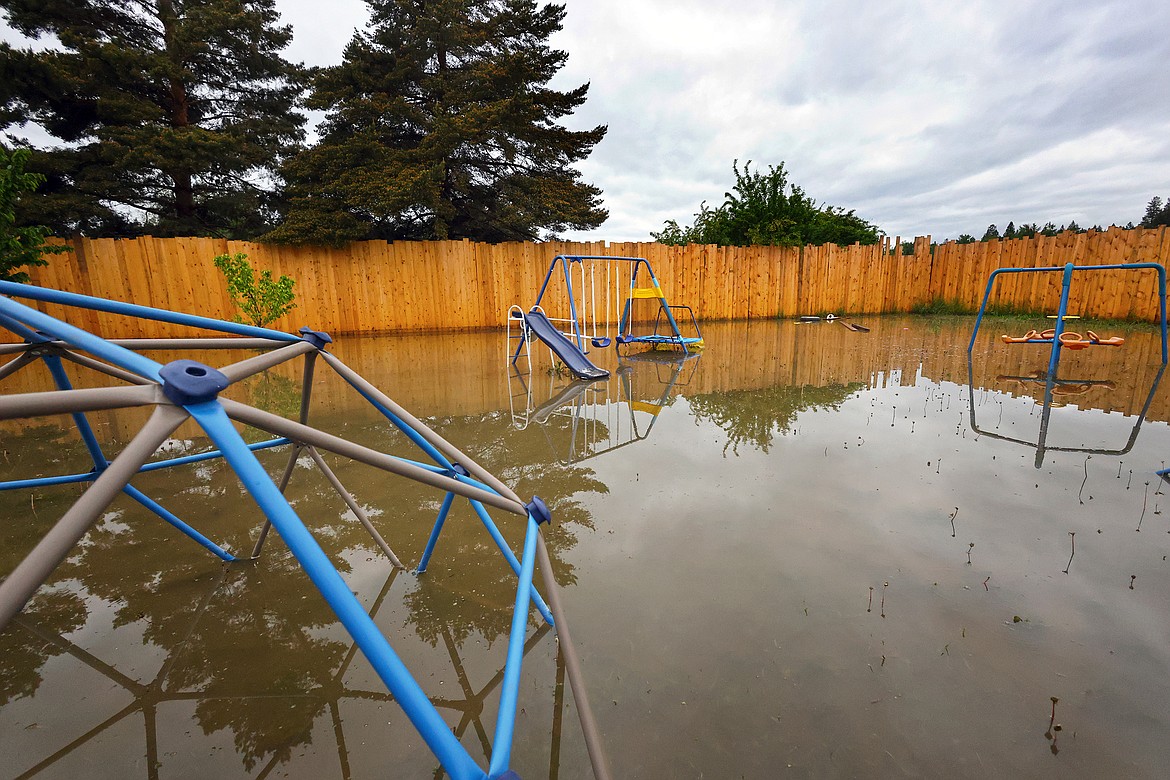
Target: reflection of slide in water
1055, 387
581, 420
147, 697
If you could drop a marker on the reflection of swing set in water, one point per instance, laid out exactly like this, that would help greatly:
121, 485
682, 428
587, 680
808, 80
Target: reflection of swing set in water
1053, 385
593, 417
1054, 388
186, 389
147, 697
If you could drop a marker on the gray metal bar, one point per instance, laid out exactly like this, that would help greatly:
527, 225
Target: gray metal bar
10, 348
105, 368
306, 396
14, 365
306, 435
84, 400
246, 368
573, 666
36, 567
353, 506
444, 446
284, 478
242, 342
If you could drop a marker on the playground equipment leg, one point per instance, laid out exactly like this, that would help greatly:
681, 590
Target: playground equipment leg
510, 688
389, 667
434, 537
353, 506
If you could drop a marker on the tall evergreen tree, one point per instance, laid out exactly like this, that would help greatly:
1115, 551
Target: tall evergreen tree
1157, 213
440, 124
172, 113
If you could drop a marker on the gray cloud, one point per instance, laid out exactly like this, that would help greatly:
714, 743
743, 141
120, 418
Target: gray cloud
925, 117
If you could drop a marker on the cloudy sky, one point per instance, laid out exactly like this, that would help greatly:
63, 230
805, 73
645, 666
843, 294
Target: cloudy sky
925, 117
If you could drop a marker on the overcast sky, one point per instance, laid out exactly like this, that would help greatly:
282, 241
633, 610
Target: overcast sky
925, 117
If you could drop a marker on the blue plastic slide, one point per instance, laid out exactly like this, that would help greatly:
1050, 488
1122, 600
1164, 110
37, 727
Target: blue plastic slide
566, 350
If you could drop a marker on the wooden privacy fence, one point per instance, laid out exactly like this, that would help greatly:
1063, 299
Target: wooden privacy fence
375, 286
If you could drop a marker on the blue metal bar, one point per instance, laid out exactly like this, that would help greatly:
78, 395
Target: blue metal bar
184, 460
171, 518
90, 476
19, 329
510, 687
20, 484
510, 557
111, 353
422, 714
79, 419
145, 312
434, 538
1065, 286
401, 425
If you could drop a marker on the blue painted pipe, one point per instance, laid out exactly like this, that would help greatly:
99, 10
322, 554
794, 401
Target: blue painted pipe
510, 687
498, 538
184, 460
68, 479
389, 667
434, 538
173, 519
145, 312
111, 353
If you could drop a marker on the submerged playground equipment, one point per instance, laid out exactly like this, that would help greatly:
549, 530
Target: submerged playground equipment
1058, 338
187, 389
599, 292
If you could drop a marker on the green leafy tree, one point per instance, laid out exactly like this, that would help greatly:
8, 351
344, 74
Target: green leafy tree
1157, 213
261, 299
763, 208
172, 114
20, 246
440, 124
1049, 229
991, 234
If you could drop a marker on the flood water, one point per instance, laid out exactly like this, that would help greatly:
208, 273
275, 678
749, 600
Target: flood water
809, 552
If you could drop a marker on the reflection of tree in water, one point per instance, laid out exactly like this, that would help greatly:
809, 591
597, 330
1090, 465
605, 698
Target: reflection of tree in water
21, 657
257, 660
754, 417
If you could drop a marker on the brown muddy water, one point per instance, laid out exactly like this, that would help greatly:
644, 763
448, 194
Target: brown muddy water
797, 555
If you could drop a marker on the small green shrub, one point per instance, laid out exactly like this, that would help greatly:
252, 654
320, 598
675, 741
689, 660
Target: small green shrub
260, 299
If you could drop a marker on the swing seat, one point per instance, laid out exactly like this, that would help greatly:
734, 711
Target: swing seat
601, 342
1020, 339
1115, 341
1070, 339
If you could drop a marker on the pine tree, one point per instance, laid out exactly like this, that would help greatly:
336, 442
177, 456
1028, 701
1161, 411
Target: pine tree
440, 124
991, 234
1157, 213
172, 113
